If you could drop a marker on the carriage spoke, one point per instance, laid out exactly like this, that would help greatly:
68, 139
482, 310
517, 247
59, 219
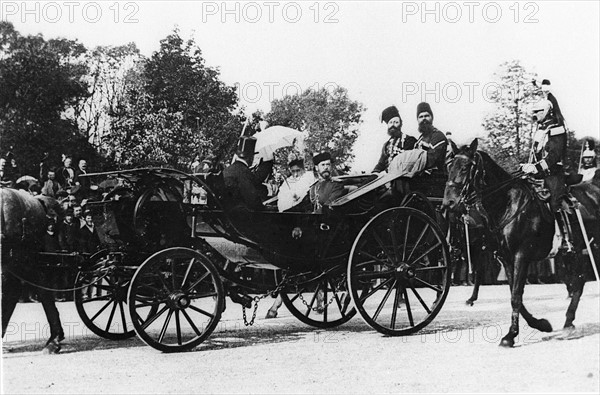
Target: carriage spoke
405, 239
150, 320
189, 289
97, 298
377, 288
381, 245
101, 310
325, 307
163, 331
425, 229
425, 283
372, 257
394, 241
199, 310
189, 320
173, 274
178, 326
395, 306
385, 298
429, 268
408, 308
423, 255
187, 272
420, 299
298, 293
163, 281
312, 301
110, 318
193, 295
123, 316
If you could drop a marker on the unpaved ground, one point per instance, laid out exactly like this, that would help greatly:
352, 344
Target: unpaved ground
457, 353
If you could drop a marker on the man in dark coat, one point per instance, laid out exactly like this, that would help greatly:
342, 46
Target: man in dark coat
550, 149
244, 190
325, 190
397, 142
89, 241
431, 140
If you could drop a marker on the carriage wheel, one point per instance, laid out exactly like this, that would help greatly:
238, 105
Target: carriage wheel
101, 304
398, 271
185, 289
419, 201
322, 303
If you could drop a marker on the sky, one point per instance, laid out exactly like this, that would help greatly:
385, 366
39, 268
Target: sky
384, 53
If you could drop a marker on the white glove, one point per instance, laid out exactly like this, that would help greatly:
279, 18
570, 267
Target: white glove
529, 168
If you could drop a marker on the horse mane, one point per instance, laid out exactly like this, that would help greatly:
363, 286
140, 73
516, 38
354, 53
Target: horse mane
494, 173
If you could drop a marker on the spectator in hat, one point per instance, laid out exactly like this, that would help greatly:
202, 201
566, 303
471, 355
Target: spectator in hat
243, 189
82, 182
51, 186
66, 173
431, 140
325, 190
89, 241
294, 189
68, 234
588, 161
398, 141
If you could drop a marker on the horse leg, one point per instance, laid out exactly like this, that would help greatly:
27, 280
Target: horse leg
542, 325
517, 275
576, 281
11, 289
272, 313
480, 257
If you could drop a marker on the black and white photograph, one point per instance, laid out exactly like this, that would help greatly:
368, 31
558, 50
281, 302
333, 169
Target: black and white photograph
300, 197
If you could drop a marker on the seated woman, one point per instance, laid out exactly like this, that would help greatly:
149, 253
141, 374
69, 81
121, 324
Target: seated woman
294, 190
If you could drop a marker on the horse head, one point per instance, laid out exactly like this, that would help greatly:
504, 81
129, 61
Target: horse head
464, 177
23, 216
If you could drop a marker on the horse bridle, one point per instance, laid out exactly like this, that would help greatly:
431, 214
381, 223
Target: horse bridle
469, 181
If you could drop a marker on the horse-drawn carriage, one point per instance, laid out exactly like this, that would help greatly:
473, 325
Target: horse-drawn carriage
175, 252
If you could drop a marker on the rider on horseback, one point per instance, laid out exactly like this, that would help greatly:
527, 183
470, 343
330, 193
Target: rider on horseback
549, 150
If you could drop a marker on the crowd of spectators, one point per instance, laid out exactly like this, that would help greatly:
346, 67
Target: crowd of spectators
72, 232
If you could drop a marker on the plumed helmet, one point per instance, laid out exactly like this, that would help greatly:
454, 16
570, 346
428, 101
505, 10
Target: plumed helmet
541, 110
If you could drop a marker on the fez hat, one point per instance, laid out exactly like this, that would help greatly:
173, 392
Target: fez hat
546, 82
389, 113
424, 107
321, 157
245, 147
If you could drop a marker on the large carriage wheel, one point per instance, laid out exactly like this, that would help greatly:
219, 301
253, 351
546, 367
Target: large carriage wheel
398, 271
185, 289
100, 304
322, 303
419, 201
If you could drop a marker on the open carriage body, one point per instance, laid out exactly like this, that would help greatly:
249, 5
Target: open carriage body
177, 250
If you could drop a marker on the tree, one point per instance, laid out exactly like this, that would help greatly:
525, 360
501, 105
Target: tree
41, 81
510, 126
108, 67
329, 117
175, 107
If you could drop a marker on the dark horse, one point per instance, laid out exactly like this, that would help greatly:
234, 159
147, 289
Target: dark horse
23, 220
523, 224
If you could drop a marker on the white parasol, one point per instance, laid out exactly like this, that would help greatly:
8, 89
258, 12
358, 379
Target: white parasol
271, 139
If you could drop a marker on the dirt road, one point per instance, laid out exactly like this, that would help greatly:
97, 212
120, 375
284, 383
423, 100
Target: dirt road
458, 352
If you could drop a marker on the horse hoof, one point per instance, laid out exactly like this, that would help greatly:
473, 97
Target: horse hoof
507, 343
52, 347
469, 302
544, 326
271, 314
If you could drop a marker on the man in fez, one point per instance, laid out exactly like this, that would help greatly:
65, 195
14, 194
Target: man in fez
398, 141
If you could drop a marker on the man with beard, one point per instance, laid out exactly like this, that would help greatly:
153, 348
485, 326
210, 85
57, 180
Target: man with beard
398, 141
432, 140
325, 190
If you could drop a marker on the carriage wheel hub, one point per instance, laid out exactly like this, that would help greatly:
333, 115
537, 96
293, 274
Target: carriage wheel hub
405, 271
179, 300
